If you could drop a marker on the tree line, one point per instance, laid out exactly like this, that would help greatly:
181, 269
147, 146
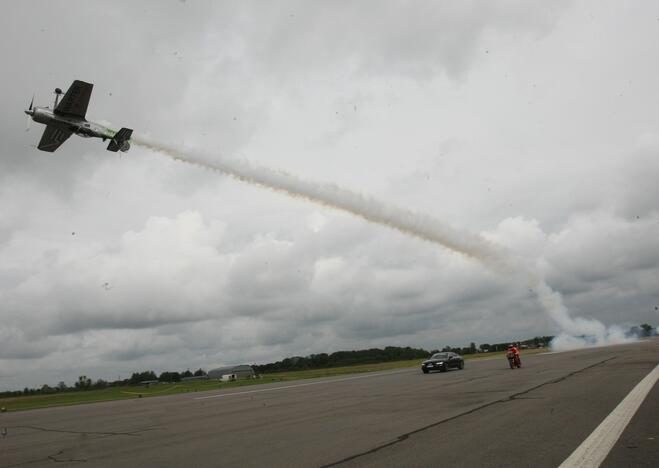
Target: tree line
342, 358
85, 383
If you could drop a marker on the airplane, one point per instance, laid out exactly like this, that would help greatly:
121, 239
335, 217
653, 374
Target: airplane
68, 117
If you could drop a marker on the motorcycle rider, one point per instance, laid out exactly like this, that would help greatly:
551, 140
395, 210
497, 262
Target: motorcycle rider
512, 349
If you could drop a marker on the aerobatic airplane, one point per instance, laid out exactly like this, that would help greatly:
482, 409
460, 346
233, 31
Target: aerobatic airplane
68, 117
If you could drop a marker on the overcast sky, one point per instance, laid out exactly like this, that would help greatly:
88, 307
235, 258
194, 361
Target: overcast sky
533, 124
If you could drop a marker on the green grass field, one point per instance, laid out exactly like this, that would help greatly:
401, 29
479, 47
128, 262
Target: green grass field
28, 402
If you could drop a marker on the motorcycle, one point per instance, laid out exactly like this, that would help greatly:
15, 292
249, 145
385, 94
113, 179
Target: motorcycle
514, 360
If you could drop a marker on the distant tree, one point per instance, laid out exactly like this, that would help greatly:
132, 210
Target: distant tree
100, 383
642, 330
199, 373
647, 329
61, 386
170, 377
138, 377
83, 383
485, 347
187, 373
319, 360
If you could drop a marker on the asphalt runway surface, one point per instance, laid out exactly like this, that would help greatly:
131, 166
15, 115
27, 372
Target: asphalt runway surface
485, 415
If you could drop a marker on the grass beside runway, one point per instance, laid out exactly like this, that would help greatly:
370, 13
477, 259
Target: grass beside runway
27, 402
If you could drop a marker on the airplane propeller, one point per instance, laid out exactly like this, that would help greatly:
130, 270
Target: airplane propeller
29, 113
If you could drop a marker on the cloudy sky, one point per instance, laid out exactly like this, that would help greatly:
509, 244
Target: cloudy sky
534, 125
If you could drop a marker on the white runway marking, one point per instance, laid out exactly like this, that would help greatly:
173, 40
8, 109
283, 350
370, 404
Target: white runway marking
301, 385
593, 450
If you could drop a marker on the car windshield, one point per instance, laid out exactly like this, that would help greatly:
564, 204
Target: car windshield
440, 356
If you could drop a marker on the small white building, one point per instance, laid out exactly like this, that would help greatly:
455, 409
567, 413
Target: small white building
229, 373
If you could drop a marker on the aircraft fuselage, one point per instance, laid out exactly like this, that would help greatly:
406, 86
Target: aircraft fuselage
81, 127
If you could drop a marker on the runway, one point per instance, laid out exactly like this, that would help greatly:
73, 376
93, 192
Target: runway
485, 415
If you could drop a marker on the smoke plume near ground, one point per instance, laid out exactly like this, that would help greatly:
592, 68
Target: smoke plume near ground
575, 332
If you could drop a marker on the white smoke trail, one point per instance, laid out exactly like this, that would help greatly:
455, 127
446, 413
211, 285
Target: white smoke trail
414, 224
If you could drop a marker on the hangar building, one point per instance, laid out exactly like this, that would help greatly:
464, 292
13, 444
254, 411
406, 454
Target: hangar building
241, 372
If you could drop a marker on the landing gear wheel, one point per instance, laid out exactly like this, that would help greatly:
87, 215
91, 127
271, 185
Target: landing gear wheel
425, 371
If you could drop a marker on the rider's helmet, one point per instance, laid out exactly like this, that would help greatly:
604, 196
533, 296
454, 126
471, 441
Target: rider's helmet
510, 346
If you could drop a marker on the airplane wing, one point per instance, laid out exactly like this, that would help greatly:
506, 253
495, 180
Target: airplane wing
75, 100
52, 138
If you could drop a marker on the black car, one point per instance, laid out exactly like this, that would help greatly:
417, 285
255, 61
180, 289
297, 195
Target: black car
442, 362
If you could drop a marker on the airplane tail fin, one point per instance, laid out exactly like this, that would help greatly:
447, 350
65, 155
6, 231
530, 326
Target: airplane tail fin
120, 140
